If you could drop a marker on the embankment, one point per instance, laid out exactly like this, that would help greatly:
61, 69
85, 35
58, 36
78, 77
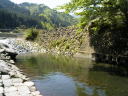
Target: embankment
12, 80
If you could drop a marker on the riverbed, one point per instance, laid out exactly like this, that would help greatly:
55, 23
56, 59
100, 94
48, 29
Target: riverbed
57, 75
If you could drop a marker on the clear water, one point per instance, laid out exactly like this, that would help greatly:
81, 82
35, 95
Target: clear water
67, 76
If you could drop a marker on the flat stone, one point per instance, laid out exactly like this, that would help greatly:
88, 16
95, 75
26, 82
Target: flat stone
17, 84
29, 83
4, 77
23, 90
7, 83
10, 89
15, 93
1, 90
17, 80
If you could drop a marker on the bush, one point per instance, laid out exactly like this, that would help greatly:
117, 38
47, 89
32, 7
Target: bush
31, 34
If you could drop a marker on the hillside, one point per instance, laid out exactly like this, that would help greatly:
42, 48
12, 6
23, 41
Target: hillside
49, 18
32, 15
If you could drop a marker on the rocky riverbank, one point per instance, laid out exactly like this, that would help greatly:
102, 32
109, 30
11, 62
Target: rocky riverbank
12, 80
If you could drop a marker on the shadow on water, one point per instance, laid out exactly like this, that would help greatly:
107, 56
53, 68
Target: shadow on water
67, 76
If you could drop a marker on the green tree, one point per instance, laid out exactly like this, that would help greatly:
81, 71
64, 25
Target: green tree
106, 21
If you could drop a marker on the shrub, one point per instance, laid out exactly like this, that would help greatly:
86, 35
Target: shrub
31, 34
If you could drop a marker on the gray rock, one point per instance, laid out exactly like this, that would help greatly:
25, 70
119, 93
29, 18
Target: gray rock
1, 94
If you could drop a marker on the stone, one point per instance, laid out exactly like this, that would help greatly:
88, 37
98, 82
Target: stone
12, 73
25, 94
36, 93
1, 90
1, 94
15, 93
17, 84
23, 90
29, 83
32, 89
17, 80
1, 81
10, 89
5, 77
12, 61
7, 83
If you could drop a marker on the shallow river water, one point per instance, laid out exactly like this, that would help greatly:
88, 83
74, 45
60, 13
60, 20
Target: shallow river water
67, 76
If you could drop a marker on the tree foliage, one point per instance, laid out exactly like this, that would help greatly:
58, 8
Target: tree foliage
106, 21
32, 15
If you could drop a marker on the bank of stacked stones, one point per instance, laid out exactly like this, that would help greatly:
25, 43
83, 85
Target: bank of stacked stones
12, 81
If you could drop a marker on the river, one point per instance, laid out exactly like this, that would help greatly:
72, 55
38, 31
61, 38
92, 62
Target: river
57, 75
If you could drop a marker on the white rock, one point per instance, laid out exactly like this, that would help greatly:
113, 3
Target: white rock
17, 80
29, 83
23, 90
36, 93
10, 89
4, 77
7, 83
15, 93
12, 73
12, 61
17, 84
32, 89
1, 90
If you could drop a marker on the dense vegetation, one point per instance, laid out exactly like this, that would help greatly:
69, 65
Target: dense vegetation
32, 15
107, 23
49, 18
10, 20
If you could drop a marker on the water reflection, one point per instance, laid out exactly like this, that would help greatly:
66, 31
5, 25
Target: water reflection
66, 76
